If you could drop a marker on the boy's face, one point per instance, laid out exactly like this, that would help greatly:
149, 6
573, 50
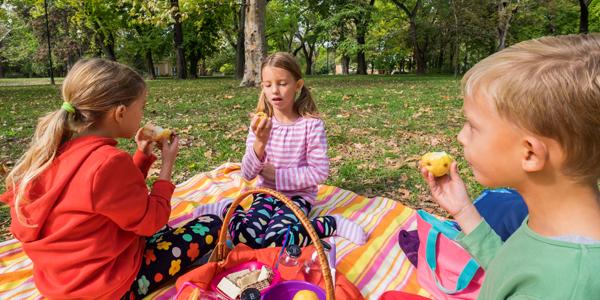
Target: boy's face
492, 145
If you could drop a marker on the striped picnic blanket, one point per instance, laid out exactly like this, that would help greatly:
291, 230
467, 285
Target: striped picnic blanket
375, 267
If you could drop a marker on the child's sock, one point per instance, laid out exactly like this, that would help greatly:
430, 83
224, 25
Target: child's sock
212, 208
350, 230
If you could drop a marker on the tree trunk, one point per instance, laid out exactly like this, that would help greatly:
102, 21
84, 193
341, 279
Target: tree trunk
440, 60
345, 64
362, 28
107, 45
239, 50
254, 41
1, 69
402, 65
583, 16
360, 56
178, 39
418, 51
193, 65
309, 60
150, 64
506, 10
203, 71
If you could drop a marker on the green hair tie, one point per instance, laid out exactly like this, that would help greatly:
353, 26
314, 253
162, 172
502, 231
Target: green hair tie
68, 107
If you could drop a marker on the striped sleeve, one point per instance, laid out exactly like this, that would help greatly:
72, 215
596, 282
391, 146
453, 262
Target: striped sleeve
251, 165
317, 168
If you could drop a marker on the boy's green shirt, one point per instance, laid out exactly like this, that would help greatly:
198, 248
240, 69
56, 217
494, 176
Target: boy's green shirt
530, 266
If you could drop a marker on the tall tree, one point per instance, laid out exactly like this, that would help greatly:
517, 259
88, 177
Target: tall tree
202, 32
240, 47
362, 26
102, 18
419, 50
255, 43
178, 39
506, 10
584, 15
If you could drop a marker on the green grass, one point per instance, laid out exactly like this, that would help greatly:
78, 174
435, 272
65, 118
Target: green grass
377, 126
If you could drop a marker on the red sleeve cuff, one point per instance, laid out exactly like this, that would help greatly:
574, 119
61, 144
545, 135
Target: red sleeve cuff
143, 161
163, 189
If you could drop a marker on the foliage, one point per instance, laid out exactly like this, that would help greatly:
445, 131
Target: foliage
452, 35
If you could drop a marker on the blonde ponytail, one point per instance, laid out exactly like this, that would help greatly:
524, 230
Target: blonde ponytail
50, 133
91, 88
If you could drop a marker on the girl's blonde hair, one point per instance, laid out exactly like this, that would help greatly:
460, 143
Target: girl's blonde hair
551, 87
92, 87
304, 104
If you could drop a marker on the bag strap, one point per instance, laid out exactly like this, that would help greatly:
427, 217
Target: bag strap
437, 227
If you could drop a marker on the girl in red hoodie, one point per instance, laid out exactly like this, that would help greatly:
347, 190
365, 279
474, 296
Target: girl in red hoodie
81, 207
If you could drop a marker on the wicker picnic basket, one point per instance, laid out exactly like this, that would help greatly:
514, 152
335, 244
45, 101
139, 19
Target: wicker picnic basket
221, 250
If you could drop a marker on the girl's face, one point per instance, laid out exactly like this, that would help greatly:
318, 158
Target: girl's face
280, 87
132, 116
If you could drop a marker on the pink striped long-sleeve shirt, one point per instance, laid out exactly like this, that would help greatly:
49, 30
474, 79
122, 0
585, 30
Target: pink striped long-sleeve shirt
298, 151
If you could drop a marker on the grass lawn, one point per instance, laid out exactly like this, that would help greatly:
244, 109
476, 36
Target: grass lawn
377, 127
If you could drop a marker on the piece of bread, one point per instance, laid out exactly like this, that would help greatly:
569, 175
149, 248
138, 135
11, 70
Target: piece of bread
156, 133
261, 115
229, 288
248, 279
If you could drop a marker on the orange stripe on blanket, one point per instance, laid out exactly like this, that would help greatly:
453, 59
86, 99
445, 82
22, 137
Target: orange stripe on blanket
7, 260
13, 279
380, 236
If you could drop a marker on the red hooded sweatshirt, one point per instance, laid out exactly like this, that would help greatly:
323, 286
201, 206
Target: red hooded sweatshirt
92, 209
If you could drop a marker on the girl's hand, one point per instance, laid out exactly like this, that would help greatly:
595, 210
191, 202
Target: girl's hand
144, 142
168, 154
450, 192
268, 172
261, 128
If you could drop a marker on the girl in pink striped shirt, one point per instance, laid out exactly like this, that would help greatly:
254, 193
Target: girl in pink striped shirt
287, 150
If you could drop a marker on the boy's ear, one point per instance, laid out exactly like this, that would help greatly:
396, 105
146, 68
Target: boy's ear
299, 85
535, 154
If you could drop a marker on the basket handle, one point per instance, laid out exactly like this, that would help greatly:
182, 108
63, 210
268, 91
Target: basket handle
221, 250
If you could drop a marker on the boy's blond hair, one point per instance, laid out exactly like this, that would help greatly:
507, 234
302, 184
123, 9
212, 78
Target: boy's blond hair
92, 87
551, 87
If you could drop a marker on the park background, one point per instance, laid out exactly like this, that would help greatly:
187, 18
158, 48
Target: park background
385, 73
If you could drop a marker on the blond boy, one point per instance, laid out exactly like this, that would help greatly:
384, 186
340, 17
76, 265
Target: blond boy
533, 123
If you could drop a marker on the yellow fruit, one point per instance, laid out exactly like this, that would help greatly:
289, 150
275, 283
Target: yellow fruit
156, 133
438, 163
305, 295
261, 115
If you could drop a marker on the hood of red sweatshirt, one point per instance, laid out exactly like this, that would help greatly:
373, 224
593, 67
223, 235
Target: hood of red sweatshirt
43, 193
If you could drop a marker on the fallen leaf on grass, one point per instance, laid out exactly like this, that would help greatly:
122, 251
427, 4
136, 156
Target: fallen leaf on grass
3, 170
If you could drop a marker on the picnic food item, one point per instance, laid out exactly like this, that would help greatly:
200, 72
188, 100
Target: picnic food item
261, 115
156, 133
438, 163
234, 284
305, 295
